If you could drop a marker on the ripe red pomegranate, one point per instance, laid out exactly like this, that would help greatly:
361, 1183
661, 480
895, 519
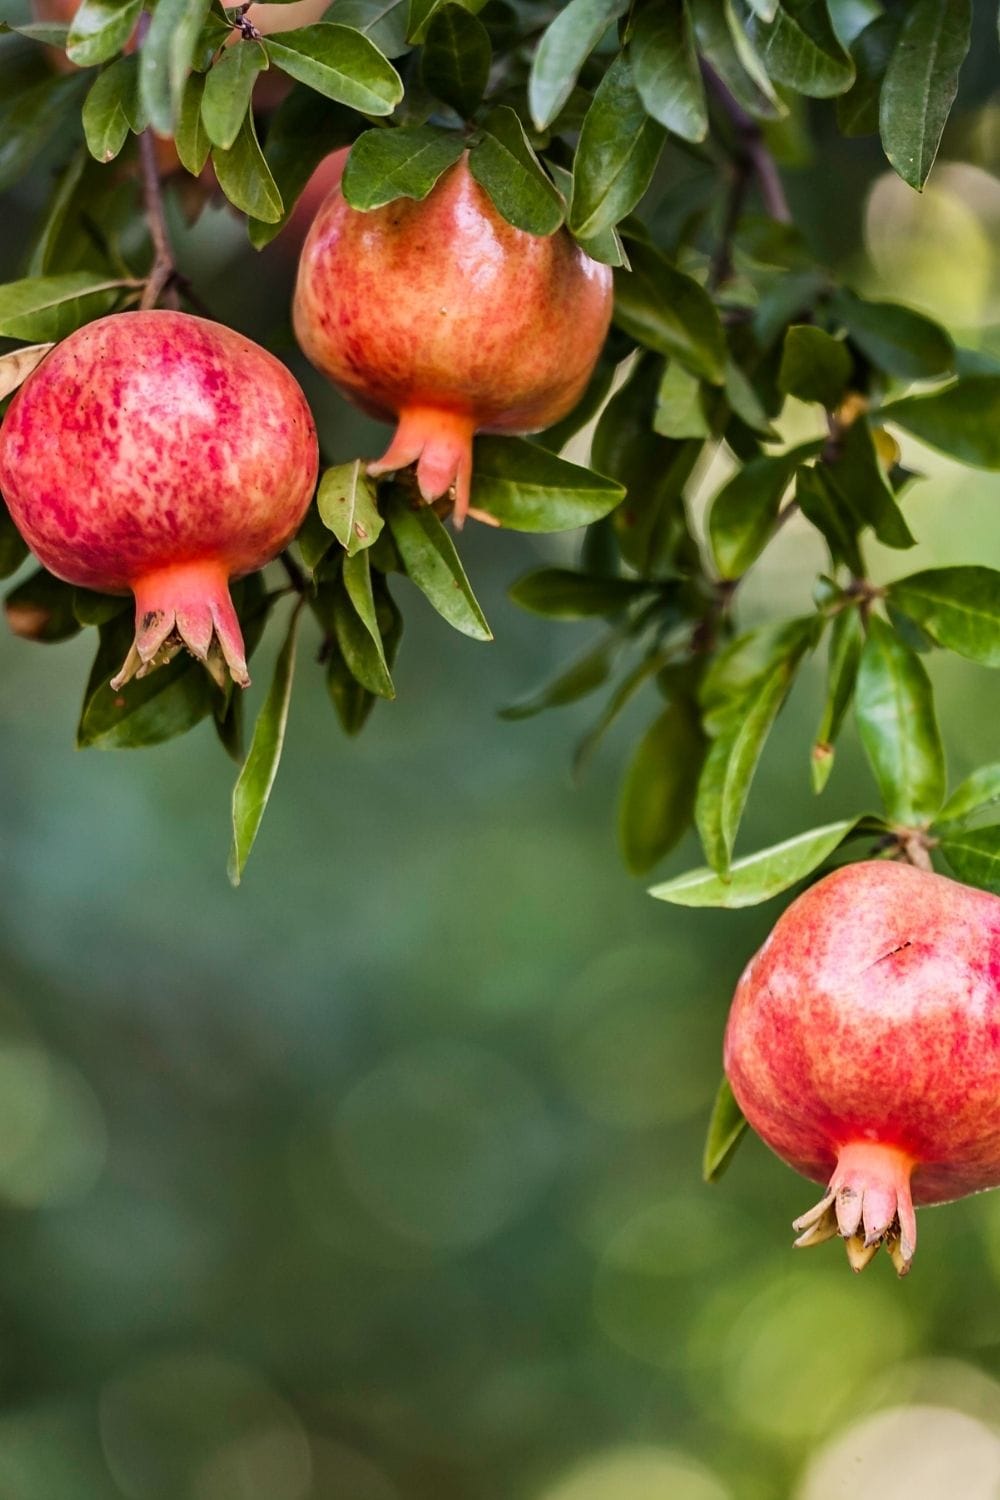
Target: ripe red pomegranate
863, 1045
442, 314
163, 454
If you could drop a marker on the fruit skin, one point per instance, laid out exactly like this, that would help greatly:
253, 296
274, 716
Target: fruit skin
863, 1045
442, 314
164, 454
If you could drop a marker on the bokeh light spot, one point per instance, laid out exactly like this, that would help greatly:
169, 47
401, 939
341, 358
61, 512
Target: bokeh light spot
908, 1453
639, 1474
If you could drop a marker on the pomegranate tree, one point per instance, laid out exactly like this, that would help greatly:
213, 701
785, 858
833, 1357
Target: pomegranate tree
863, 1045
163, 454
440, 313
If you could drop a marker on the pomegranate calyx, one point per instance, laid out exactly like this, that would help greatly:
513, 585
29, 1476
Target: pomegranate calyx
867, 1203
187, 606
439, 442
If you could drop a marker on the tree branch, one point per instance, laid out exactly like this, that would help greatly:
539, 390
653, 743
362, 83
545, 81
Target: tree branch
162, 271
752, 162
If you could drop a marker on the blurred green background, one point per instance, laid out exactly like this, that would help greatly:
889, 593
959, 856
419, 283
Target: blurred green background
378, 1179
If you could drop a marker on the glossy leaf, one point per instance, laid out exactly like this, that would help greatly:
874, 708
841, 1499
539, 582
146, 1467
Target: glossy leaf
758, 877
680, 405
166, 58
565, 47
895, 338
871, 49
744, 511
665, 64
975, 856
616, 156
973, 795
526, 488
431, 562
657, 796
191, 138
958, 607
800, 49
357, 628
255, 781
383, 22
245, 177
894, 707
723, 42
347, 502
44, 308
147, 710
963, 420
105, 117
404, 163
16, 366
422, 13
228, 88
504, 164
726, 1129
303, 131
561, 594
921, 82
99, 30
339, 63
858, 477
455, 62
846, 641
670, 312
823, 505
814, 366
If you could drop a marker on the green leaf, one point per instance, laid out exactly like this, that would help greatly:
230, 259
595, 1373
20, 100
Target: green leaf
814, 366
347, 501
564, 48
254, 783
958, 607
402, 163
665, 64
859, 480
561, 594
582, 677
846, 640
13, 547
422, 12
41, 609
921, 82
191, 140
357, 628
726, 1129
147, 710
455, 62
431, 562
896, 339
800, 49
44, 308
245, 177
526, 488
304, 130
32, 117
680, 405
973, 795
100, 29
92, 608
384, 22
723, 42
166, 57
658, 791
975, 856
745, 403
823, 506
616, 156
340, 64
871, 49
228, 89
744, 511
758, 877
503, 163
894, 707
742, 721
105, 120
963, 420
670, 312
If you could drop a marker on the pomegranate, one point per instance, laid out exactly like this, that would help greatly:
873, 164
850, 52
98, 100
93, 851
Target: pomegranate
443, 315
163, 454
863, 1045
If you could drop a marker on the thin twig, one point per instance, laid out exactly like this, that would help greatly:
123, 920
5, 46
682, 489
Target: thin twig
162, 270
752, 148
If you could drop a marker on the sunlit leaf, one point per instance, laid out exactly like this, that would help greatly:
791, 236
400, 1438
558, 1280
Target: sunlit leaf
757, 877
894, 706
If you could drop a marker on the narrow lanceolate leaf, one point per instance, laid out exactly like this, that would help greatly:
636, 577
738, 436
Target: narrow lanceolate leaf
658, 791
744, 511
859, 479
976, 793
254, 783
726, 1129
895, 338
963, 420
975, 856
339, 63
191, 139
49, 307
347, 503
455, 62
504, 164
665, 64
801, 49
100, 29
166, 57
846, 641
760, 876
561, 594
526, 488
616, 156
563, 50
958, 607
668, 311
16, 366
105, 118
723, 42
228, 88
583, 676
404, 163
921, 83
357, 629
894, 706
245, 177
431, 562
814, 366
